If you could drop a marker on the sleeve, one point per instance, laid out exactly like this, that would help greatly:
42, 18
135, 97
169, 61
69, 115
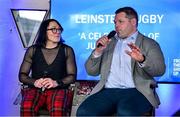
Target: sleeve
25, 67
71, 68
93, 64
154, 64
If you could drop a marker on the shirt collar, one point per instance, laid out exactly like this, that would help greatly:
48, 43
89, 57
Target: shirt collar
132, 37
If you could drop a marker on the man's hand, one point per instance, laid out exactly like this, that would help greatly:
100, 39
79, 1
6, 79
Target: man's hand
103, 41
135, 53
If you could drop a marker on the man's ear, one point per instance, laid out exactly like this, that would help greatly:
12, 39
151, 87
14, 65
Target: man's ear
133, 21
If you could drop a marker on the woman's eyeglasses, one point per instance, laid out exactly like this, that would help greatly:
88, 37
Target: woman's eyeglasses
55, 30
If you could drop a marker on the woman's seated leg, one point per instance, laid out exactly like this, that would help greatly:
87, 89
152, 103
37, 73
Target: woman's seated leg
32, 100
57, 102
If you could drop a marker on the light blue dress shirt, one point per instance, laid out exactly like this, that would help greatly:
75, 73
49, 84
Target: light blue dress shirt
120, 75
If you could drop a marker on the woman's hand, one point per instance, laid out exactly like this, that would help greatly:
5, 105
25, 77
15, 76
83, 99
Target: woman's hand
38, 83
49, 83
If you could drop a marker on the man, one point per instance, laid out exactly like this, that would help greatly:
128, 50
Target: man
126, 64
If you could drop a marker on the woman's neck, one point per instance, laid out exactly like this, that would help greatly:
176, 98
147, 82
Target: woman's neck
51, 45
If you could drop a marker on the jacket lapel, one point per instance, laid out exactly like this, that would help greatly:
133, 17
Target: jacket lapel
137, 43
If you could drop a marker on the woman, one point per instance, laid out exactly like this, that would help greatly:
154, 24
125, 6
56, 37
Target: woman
48, 68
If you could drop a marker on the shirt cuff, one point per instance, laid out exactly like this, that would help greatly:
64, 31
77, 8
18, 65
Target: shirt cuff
95, 55
141, 65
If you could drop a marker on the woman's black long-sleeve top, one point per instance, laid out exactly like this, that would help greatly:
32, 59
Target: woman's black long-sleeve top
57, 63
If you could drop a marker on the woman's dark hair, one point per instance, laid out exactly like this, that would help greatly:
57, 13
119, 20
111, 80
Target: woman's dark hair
42, 34
130, 13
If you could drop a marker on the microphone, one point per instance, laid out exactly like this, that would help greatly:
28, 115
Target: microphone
44, 75
111, 34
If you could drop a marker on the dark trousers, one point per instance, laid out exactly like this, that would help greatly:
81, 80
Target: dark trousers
123, 102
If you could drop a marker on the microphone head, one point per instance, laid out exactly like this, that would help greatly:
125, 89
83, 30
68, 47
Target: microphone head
111, 34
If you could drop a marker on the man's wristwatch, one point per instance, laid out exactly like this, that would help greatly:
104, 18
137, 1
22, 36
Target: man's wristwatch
143, 60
